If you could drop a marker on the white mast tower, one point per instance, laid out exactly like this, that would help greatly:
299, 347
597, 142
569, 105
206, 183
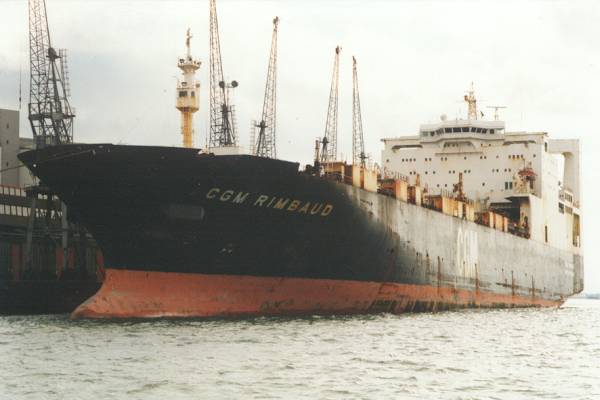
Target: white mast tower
188, 91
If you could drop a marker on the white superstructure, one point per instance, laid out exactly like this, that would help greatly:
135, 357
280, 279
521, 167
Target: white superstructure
526, 176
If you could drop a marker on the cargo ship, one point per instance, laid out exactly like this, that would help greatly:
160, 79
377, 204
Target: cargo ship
462, 214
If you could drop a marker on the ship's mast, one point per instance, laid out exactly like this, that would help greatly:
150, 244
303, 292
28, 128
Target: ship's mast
329, 142
472, 102
188, 91
266, 143
358, 144
222, 119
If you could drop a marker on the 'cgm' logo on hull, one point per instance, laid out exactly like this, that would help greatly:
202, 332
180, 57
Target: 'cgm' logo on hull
266, 201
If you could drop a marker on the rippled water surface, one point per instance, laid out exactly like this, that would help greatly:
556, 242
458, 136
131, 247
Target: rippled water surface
498, 354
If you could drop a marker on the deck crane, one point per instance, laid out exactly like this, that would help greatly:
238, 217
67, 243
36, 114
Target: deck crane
265, 145
329, 141
50, 113
358, 143
222, 120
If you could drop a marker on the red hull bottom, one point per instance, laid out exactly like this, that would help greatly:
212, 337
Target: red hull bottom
139, 294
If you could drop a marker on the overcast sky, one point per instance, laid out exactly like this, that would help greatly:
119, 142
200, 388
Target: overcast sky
541, 59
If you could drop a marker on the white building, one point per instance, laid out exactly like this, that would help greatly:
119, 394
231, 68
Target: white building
12, 172
526, 176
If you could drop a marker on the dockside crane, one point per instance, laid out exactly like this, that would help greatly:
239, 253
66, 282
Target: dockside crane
222, 119
266, 145
51, 118
50, 114
358, 143
329, 141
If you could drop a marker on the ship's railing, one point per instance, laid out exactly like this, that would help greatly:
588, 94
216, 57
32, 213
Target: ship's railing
460, 207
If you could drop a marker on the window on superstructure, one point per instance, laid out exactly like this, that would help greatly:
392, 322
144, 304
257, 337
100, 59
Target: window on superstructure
465, 129
484, 130
491, 131
473, 129
448, 130
478, 130
455, 130
182, 93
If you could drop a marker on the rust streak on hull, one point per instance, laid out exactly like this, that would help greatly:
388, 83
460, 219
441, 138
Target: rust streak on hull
141, 294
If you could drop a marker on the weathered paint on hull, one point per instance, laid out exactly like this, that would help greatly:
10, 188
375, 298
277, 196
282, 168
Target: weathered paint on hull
304, 243
140, 294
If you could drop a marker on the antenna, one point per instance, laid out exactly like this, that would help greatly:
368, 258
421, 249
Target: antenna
20, 83
496, 108
329, 142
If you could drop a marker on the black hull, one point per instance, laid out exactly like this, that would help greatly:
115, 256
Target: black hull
158, 209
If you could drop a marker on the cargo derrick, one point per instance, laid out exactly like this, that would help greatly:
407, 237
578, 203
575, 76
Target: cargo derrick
328, 152
222, 119
266, 145
358, 143
188, 91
